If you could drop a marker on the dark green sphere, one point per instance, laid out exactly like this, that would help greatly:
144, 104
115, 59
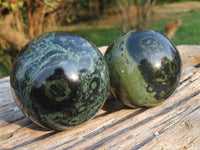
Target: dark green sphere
60, 80
145, 68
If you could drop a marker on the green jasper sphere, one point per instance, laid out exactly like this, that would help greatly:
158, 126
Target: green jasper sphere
145, 68
60, 80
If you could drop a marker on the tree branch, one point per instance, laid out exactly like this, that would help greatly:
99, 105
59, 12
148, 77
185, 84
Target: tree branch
10, 35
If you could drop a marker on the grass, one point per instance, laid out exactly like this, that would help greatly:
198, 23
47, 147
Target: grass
100, 36
4, 64
3, 71
188, 33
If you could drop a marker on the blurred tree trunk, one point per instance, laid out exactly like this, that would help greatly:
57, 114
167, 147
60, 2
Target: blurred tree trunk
124, 6
94, 8
30, 23
143, 8
38, 17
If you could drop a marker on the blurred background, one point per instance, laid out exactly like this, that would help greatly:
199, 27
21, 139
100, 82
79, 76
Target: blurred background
99, 21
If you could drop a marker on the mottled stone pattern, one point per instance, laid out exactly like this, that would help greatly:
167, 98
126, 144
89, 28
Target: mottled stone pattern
60, 80
144, 66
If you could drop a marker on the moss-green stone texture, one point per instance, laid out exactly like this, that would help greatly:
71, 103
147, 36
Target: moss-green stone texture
60, 80
145, 68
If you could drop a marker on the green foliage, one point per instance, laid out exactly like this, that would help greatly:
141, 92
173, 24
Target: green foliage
172, 1
11, 4
4, 64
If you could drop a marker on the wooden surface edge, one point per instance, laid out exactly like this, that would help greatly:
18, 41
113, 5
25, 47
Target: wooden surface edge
174, 124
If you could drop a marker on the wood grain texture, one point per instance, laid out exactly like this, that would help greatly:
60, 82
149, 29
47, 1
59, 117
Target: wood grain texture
174, 124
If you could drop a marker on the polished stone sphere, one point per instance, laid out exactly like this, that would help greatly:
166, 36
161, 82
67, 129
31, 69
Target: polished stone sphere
144, 66
60, 80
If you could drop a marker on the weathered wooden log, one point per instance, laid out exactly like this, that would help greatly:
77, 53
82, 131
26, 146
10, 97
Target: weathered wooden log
174, 124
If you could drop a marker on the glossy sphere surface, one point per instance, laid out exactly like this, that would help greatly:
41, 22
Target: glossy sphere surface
60, 80
144, 67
